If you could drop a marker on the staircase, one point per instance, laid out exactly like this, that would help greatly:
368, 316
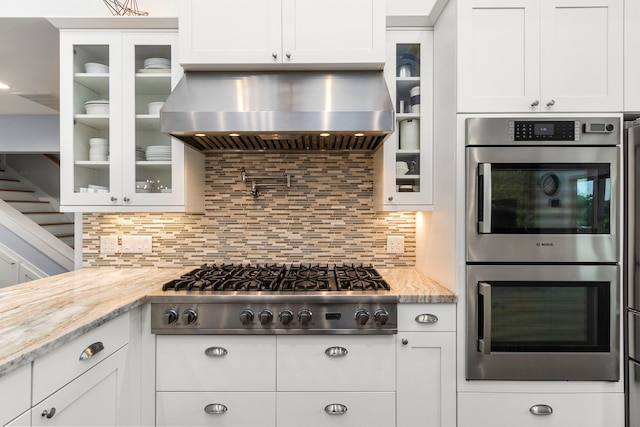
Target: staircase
37, 207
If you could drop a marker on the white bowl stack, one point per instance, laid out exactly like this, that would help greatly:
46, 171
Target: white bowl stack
154, 108
97, 106
140, 153
158, 153
98, 149
401, 168
159, 64
95, 67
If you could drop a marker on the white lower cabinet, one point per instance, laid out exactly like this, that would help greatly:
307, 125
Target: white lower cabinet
15, 394
23, 420
540, 409
223, 409
90, 400
330, 409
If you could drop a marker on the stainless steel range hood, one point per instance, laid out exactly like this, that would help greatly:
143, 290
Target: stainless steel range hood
299, 110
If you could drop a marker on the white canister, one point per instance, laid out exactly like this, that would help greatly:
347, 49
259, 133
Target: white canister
415, 99
409, 134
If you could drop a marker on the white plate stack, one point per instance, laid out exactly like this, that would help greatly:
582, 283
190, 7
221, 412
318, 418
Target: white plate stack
156, 65
140, 153
98, 149
97, 106
157, 153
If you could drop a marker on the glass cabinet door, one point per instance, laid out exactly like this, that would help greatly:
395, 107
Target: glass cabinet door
408, 151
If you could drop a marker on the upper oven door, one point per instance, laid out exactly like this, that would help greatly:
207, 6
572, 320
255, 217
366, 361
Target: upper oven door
542, 204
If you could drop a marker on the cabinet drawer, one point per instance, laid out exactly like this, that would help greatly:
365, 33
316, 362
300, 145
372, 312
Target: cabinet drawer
216, 363
233, 410
515, 409
316, 363
410, 317
15, 393
362, 409
54, 370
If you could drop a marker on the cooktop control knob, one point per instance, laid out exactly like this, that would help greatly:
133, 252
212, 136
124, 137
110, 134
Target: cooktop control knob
246, 316
362, 316
305, 316
265, 316
189, 316
286, 316
381, 316
170, 316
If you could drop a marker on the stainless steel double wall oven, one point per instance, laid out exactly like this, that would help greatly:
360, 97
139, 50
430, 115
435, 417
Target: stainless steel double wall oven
543, 292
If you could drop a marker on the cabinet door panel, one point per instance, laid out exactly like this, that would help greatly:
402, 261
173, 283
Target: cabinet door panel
15, 393
240, 409
304, 365
581, 55
498, 56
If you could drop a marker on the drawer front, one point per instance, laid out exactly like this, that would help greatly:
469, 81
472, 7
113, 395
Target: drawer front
215, 363
15, 393
427, 317
54, 370
516, 409
336, 363
229, 409
333, 409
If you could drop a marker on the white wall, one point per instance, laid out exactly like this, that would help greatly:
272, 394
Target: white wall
50, 8
29, 133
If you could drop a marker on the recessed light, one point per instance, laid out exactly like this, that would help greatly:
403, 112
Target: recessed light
200, 134
3, 86
325, 134
234, 134
359, 134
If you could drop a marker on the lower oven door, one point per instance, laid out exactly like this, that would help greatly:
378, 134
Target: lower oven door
542, 204
550, 322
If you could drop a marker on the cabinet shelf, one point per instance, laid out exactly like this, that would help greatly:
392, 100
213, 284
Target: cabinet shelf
91, 164
97, 82
147, 122
153, 84
93, 120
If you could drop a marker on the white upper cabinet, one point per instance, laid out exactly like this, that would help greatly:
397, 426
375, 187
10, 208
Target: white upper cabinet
631, 57
540, 55
245, 34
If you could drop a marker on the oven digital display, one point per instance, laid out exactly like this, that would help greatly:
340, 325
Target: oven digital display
333, 316
543, 129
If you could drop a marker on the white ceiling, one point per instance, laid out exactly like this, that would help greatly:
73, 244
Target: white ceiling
29, 62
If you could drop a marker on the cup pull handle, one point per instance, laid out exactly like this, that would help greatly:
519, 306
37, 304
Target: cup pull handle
92, 350
426, 318
215, 409
541, 409
216, 352
335, 409
48, 413
336, 351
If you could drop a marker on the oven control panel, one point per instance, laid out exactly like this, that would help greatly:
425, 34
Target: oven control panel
547, 130
274, 318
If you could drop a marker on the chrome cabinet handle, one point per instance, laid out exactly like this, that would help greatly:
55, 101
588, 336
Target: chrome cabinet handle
405, 341
426, 318
335, 409
275, 55
484, 344
336, 351
114, 199
126, 199
48, 413
92, 350
216, 352
288, 55
215, 409
390, 198
535, 103
551, 103
541, 409
484, 198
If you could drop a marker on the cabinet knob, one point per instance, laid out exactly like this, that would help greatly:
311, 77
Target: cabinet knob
405, 341
114, 199
288, 55
275, 55
551, 103
535, 103
390, 198
49, 413
541, 409
126, 199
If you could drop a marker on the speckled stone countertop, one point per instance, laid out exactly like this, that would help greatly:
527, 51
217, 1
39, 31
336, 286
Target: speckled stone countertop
37, 317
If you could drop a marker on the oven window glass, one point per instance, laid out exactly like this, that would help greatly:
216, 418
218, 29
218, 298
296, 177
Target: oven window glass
547, 316
550, 198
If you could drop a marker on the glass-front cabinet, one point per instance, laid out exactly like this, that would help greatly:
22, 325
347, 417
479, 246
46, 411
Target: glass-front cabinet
113, 155
404, 166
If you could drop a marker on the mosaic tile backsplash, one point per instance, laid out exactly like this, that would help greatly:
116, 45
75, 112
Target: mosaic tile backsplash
326, 216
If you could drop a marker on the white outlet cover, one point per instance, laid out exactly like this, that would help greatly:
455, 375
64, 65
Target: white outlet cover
108, 244
395, 244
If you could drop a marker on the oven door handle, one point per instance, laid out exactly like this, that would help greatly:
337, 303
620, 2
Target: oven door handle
484, 343
484, 198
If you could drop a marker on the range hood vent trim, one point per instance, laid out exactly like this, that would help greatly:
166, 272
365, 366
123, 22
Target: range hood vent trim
275, 111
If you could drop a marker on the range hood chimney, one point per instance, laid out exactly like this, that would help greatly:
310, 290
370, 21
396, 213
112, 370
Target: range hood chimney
272, 111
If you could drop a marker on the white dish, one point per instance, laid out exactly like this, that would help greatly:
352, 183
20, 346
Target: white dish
154, 107
94, 67
98, 142
155, 70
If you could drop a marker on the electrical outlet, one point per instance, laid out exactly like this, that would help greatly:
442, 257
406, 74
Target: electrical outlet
108, 244
136, 244
395, 244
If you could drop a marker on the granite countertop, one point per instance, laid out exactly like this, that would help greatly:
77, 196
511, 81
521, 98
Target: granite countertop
39, 316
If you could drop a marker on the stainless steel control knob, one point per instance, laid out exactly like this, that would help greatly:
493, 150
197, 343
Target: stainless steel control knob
189, 316
246, 316
286, 316
265, 316
170, 316
362, 316
305, 316
381, 317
